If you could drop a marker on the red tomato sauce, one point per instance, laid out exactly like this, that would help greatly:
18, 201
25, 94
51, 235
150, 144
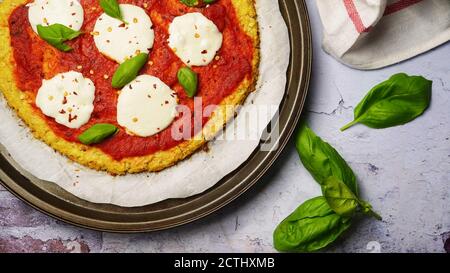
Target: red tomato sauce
35, 60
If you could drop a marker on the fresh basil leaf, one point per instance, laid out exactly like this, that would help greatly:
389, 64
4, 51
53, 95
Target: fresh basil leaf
322, 160
311, 227
97, 133
112, 8
340, 198
129, 70
394, 102
190, 3
57, 34
197, 3
189, 80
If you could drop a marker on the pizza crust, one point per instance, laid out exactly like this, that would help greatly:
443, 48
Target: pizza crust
93, 157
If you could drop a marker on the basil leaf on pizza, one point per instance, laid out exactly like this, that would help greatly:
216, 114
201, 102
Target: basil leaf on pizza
108, 78
57, 34
197, 3
112, 8
97, 133
189, 80
190, 3
129, 70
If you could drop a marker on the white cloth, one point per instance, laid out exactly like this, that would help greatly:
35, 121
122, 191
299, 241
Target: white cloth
369, 34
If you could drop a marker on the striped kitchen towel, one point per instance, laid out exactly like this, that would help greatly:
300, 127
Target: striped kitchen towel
369, 34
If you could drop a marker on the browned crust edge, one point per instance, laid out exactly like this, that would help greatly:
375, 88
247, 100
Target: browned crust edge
93, 157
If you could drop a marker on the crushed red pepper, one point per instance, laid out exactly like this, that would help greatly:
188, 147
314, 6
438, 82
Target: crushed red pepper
35, 60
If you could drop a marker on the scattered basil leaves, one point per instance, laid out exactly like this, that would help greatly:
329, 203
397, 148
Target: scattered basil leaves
97, 133
129, 70
311, 227
112, 8
397, 101
189, 80
57, 34
322, 160
320, 221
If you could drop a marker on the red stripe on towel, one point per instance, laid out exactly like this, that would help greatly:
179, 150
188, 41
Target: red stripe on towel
355, 17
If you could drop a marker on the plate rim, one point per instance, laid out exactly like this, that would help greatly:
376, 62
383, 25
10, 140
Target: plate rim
303, 82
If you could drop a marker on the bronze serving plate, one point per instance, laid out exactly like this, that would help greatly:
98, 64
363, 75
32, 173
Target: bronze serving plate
54, 201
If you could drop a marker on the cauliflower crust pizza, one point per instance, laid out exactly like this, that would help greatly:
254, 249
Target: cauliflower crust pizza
103, 82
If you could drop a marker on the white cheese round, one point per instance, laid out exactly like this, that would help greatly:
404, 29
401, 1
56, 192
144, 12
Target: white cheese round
68, 98
195, 39
146, 106
48, 12
120, 41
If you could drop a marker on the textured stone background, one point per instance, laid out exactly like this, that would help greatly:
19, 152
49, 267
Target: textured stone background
404, 172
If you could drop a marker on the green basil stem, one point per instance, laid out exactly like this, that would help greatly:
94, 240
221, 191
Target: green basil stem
349, 125
367, 209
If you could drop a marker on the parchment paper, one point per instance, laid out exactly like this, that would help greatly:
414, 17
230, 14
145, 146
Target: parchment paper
190, 177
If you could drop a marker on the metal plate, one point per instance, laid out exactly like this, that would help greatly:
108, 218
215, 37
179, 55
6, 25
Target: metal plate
54, 201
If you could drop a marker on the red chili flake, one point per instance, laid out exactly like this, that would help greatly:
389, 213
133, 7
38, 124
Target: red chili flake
72, 118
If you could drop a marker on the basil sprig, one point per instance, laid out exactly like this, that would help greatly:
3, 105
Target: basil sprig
322, 160
394, 102
343, 201
331, 171
340, 198
320, 221
98, 133
57, 34
311, 227
112, 8
189, 80
129, 70
197, 3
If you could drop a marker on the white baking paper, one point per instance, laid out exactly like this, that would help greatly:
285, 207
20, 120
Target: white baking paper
190, 177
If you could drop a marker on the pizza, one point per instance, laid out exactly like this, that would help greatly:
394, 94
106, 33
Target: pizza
116, 85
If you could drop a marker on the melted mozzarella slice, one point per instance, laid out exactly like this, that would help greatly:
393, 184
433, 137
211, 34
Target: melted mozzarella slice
195, 39
48, 12
146, 106
68, 98
120, 41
